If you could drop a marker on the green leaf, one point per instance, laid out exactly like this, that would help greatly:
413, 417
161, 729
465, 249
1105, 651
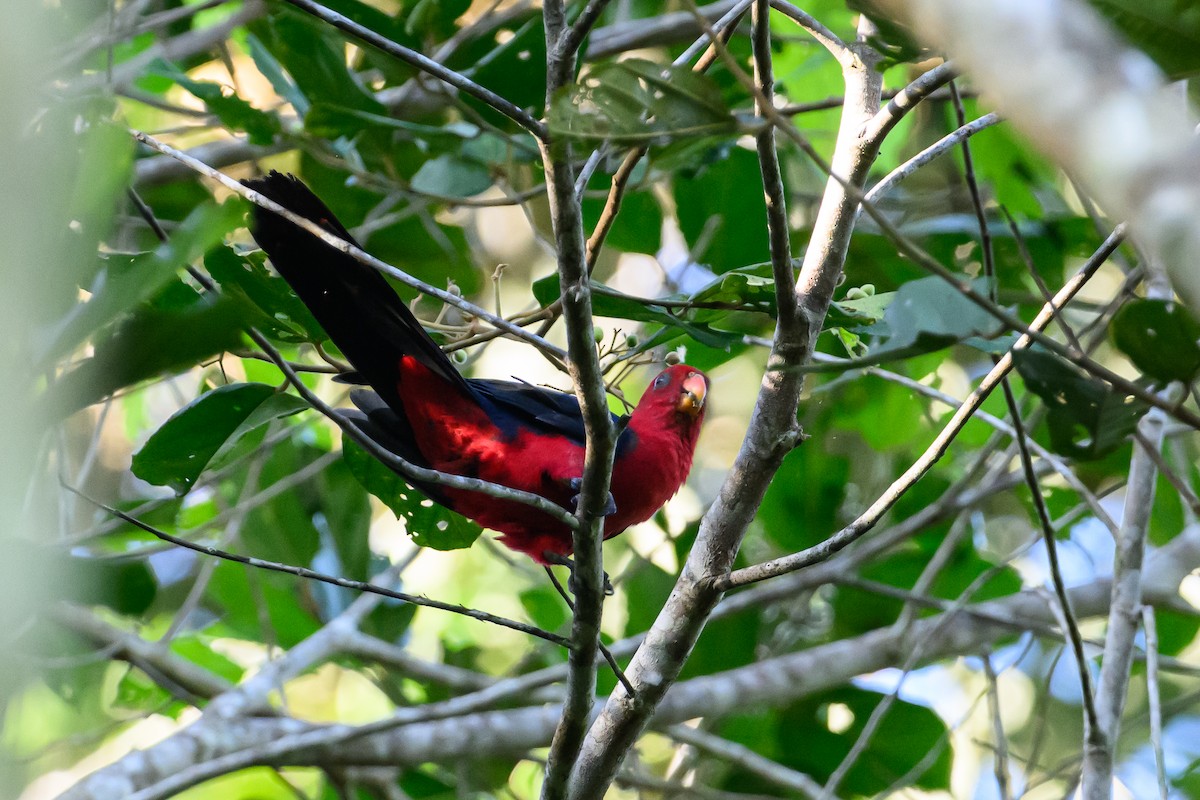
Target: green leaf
195, 648
270, 67
315, 56
162, 336
858, 312
124, 584
429, 524
645, 588
451, 176
751, 288
734, 227
243, 596
607, 302
179, 451
236, 113
137, 692
435, 17
639, 101
544, 607
330, 120
1161, 338
928, 314
347, 514
428, 250
1087, 419
274, 307
906, 735
1176, 630
516, 70
638, 226
126, 281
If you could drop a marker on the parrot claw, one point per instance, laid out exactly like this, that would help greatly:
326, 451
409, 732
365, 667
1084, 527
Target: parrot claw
610, 503
564, 561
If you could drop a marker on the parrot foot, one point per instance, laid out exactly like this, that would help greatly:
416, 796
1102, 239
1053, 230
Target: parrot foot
564, 561
610, 503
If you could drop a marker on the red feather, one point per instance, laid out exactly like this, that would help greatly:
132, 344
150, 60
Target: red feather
513, 434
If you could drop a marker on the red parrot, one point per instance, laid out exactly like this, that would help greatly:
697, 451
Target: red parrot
510, 433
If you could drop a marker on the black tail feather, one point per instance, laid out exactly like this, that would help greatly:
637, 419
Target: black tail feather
355, 305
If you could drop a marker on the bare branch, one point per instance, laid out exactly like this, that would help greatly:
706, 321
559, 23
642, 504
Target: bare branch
871, 516
601, 436
938, 148
1125, 610
827, 38
906, 100
151, 657
304, 572
768, 683
678, 26
1155, 701
771, 434
572, 37
745, 758
1070, 621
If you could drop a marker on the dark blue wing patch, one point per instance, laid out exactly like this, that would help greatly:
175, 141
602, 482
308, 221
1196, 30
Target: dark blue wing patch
516, 405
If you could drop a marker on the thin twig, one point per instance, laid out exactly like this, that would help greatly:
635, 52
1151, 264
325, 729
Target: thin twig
933, 151
1074, 637
572, 37
604, 651
1150, 627
985, 234
345, 247
743, 757
1000, 760
304, 572
867, 519
423, 63
904, 101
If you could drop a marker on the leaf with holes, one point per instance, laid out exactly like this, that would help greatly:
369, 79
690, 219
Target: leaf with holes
1162, 339
929, 314
640, 101
429, 524
269, 301
1087, 419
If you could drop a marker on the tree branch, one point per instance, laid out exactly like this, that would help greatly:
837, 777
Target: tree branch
771, 435
766, 684
333, 580
1063, 78
1126, 605
600, 445
423, 63
867, 519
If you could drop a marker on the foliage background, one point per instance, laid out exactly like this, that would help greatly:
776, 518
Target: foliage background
141, 637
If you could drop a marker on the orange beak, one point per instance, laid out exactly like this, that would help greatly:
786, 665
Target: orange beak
691, 400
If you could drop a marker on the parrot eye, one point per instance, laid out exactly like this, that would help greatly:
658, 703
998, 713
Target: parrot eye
661, 380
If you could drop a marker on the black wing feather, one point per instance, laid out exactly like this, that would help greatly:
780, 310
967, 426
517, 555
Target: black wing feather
355, 305
514, 405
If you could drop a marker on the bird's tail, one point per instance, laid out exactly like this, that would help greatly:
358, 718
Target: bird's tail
359, 310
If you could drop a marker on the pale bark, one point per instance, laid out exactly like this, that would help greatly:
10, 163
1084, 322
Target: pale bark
1100, 109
